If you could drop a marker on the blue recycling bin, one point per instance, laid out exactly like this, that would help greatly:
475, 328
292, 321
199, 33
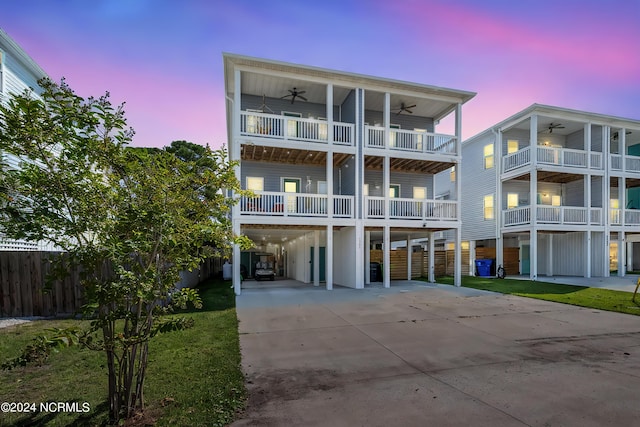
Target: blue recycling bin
483, 267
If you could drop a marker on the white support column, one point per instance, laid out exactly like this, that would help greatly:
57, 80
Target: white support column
457, 259
458, 130
550, 256
316, 258
236, 279
387, 118
367, 257
499, 252
360, 255
533, 255
330, 132
472, 257
432, 257
329, 258
630, 266
237, 91
606, 197
622, 255
385, 186
409, 253
386, 256
587, 255
329, 179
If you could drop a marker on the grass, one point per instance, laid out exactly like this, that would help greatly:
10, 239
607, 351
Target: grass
602, 299
193, 378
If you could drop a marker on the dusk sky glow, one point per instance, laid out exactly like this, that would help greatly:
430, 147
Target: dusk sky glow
164, 57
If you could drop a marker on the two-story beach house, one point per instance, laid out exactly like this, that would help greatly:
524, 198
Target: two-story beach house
18, 72
554, 192
338, 163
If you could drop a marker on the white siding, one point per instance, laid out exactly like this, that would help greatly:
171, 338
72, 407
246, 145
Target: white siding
477, 182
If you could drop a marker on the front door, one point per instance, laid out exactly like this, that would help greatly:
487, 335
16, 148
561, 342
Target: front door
291, 185
322, 263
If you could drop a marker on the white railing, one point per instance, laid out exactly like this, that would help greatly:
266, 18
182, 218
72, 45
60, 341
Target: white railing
516, 216
295, 128
596, 216
515, 160
631, 163
343, 206
410, 140
418, 209
632, 217
553, 156
295, 204
570, 215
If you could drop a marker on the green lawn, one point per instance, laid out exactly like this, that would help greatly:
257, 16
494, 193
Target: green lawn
603, 299
194, 376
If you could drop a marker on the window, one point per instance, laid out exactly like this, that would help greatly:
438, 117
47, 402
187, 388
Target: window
365, 189
488, 156
255, 183
322, 187
452, 174
512, 146
555, 201
419, 138
419, 192
488, 206
512, 200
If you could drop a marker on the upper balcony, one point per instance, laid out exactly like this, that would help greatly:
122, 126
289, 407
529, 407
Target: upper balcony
291, 128
553, 156
416, 141
552, 215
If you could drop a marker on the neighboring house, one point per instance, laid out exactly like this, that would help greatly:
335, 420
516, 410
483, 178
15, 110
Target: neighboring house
18, 72
339, 163
558, 188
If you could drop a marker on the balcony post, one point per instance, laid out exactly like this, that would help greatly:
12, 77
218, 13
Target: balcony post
622, 256
387, 119
329, 179
386, 256
587, 255
330, 130
409, 256
367, 257
316, 258
329, 258
431, 262
457, 259
386, 184
458, 125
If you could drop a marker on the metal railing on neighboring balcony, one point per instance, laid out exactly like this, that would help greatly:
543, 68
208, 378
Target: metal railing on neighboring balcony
631, 163
295, 128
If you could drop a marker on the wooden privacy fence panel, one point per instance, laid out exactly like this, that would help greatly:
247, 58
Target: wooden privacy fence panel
511, 258
22, 285
398, 258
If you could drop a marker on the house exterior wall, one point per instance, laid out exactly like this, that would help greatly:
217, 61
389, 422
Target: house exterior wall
476, 182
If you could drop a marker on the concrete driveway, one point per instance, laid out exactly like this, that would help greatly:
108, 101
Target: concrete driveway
419, 354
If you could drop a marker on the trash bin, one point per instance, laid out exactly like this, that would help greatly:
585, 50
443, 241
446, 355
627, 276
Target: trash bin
483, 267
374, 272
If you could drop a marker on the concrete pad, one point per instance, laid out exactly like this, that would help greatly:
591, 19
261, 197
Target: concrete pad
410, 400
549, 394
434, 355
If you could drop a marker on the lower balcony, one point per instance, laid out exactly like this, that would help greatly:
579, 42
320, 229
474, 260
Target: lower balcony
412, 209
631, 216
296, 204
563, 215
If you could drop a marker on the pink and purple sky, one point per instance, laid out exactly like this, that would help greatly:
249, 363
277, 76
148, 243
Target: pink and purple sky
164, 57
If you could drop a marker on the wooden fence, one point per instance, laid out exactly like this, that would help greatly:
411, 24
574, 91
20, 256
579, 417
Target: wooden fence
23, 290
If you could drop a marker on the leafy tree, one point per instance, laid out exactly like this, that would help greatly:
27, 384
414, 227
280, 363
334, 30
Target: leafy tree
128, 219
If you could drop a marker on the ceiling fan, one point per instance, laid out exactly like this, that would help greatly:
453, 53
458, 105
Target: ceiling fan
406, 108
553, 126
616, 135
294, 94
